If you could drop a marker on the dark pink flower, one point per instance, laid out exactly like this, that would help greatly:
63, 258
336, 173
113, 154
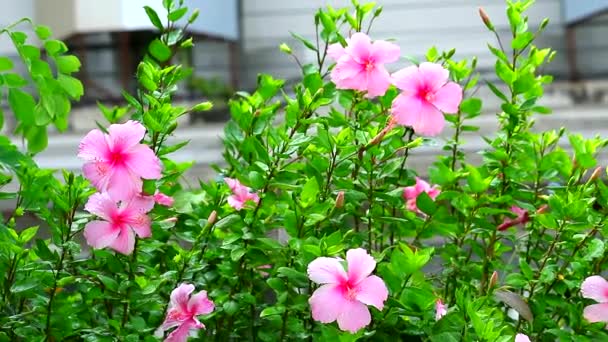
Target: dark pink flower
182, 312
240, 194
344, 295
426, 93
410, 193
596, 288
440, 309
121, 221
522, 218
116, 162
360, 65
163, 199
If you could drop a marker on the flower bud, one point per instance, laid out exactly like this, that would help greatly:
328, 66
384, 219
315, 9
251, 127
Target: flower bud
486, 19
543, 209
494, 279
212, 218
285, 48
172, 219
340, 200
597, 173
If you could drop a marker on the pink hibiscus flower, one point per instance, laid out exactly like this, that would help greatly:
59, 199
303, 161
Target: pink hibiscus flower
240, 194
121, 222
343, 295
522, 218
426, 93
182, 312
116, 162
522, 338
163, 199
410, 193
440, 309
360, 65
596, 288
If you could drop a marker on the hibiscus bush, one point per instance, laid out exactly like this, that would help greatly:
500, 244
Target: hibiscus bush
317, 226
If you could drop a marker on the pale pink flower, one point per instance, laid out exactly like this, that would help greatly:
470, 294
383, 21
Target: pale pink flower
522, 218
440, 309
163, 199
182, 312
116, 162
596, 288
522, 338
360, 65
121, 221
343, 295
240, 194
426, 93
410, 193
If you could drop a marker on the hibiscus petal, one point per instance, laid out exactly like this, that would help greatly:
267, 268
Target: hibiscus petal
348, 74
124, 136
406, 109
407, 79
199, 304
378, 81
182, 332
102, 205
123, 184
596, 313
410, 192
180, 297
336, 51
235, 202
354, 316
124, 242
325, 270
100, 234
596, 288
143, 162
522, 338
139, 204
430, 122
359, 47
448, 98
98, 173
93, 146
385, 52
360, 265
232, 183
433, 75
372, 291
327, 303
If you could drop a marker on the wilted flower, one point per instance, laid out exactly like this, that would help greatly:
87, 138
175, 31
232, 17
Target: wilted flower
522, 218
426, 93
410, 193
121, 221
360, 65
596, 288
343, 295
116, 162
182, 312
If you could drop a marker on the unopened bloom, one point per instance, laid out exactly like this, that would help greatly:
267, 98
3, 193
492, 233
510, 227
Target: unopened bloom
596, 288
522, 338
440, 309
343, 295
340, 199
426, 93
183, 310
410, 193
116, 162
121, 221
360, 65
163, 199
240, 194
522, 218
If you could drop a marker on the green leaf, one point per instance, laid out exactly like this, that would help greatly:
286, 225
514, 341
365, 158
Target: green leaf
72, 86
475, 181
37, 139
43, 32
471, 106
426, 204
5, 64
22, 104
25, 284
67, 64
304, 41
153, 16
159, 50
54, 47
273, 310
504, 72
497, 92
177, 14
28, 234
309, 192
202, 107
522, 40
230, 307
297, 278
